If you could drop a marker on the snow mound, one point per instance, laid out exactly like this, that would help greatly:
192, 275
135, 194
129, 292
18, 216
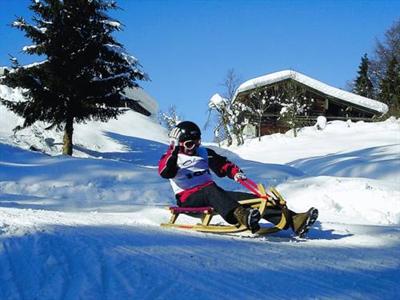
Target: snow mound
358, 149
346, 200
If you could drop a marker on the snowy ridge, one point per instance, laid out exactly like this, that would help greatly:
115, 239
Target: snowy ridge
313, 83
91, 136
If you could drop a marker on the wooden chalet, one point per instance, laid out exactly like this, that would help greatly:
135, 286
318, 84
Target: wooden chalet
324, 100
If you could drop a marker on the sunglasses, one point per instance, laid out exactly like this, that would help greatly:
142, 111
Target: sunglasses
191, 144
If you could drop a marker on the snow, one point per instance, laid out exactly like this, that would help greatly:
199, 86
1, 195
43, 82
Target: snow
29, 48
321, 122
18, 24
216, 101
41, 29
4, 90
89, 137
111, 23
10, 94
88, 226
96, 135
318, 85
119, 50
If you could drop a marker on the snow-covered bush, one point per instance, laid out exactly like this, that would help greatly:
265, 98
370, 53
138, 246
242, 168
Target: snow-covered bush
231, 119
321, 123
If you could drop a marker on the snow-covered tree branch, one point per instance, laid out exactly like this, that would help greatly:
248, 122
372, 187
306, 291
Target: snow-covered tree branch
170, 118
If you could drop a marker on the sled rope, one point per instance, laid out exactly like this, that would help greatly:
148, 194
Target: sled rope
253, 187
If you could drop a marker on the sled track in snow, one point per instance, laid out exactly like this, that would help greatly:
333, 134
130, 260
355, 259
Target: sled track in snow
98, 262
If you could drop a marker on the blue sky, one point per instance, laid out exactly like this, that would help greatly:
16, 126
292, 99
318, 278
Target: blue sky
187, 46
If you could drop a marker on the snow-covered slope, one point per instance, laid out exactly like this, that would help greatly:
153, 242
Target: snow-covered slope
88, 227
341, 149
92, 136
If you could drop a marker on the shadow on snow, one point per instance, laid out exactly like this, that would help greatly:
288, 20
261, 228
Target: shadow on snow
374, 163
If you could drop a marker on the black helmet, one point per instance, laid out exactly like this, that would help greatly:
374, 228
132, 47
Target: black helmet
190, 131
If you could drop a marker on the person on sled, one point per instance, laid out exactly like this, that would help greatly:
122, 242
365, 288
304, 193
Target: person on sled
187, 165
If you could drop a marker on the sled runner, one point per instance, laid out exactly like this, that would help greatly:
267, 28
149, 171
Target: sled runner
206, 213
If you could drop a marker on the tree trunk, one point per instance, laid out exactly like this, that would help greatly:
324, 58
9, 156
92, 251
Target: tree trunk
67, 140
230, 141
239, 138
229, 137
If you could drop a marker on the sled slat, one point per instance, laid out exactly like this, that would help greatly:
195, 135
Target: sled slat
251, 202
282, 201
191, 210
208, 228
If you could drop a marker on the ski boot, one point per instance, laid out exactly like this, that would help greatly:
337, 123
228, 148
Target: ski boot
302, 222
248, 217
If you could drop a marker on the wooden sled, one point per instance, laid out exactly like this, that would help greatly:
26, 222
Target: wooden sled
206, 214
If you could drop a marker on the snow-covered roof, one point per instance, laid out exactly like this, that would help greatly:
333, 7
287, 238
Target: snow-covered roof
315, 84
146, 101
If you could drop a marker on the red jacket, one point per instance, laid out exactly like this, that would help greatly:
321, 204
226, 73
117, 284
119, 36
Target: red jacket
168, 167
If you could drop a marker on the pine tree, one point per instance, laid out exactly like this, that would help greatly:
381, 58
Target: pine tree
390, 87
84, 71
385, 50
363, 85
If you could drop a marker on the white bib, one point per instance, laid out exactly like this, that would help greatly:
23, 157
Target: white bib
193, 171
